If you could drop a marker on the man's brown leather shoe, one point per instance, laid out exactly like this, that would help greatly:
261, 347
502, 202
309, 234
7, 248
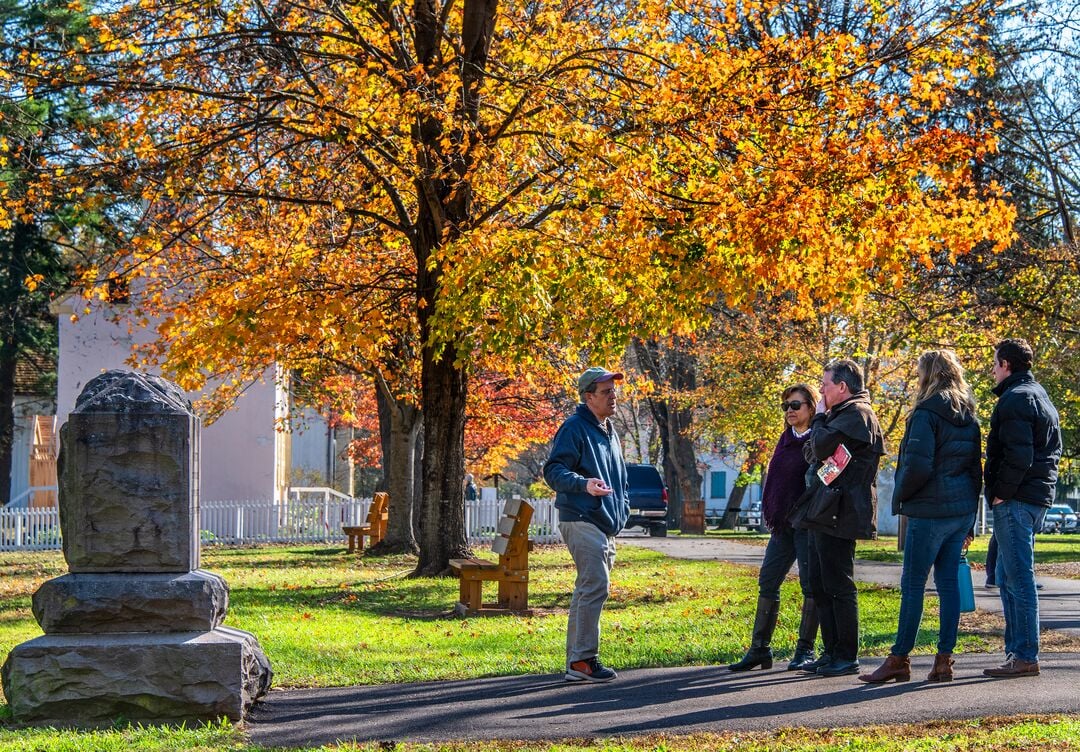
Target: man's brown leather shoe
1012, 668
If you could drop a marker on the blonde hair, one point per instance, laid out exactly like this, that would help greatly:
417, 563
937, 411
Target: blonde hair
940, 372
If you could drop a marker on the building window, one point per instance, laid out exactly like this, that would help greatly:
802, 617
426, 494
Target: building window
718, 484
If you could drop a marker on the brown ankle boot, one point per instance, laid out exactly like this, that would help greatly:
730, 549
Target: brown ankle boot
895, 667
942, 670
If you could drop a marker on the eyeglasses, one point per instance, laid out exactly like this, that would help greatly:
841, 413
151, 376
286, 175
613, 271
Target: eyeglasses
793, 405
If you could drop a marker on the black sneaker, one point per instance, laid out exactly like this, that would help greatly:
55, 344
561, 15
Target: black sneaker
591, 670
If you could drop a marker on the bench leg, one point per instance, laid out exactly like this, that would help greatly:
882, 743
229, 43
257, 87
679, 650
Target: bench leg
471, 594
352, 543
514, 595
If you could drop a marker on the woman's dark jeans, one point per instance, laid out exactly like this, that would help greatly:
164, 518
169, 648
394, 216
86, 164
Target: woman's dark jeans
786, 546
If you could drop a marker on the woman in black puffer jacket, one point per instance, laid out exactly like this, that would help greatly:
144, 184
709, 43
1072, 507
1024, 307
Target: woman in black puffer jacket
938, 480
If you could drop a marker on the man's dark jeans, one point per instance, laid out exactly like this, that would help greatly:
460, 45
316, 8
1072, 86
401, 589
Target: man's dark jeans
832, 583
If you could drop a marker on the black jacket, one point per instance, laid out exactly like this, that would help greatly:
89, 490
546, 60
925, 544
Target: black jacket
853, 424
939, 471
1024, 443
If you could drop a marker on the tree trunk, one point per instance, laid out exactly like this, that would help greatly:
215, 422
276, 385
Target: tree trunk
418, 486
383, 406
404, 428
734, 506
444, 204
675, 495
683, 457
442, 509
8, 357
674, 369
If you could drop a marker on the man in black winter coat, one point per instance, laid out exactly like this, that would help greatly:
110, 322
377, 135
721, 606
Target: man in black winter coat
1022, 453
840, 512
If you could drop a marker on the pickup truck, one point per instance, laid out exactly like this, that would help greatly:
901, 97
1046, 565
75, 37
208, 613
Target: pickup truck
648, 499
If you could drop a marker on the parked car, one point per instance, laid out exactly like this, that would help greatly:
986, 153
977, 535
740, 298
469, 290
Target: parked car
648, 499
1060, 519
750, 517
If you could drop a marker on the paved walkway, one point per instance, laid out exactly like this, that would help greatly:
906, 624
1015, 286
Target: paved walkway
677, 700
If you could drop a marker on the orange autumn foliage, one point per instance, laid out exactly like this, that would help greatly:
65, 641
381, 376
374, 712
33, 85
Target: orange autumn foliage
411, 188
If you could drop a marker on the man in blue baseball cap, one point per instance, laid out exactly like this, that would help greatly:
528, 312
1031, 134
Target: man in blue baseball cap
587, 472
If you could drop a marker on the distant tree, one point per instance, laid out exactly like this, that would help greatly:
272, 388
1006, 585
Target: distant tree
44, 229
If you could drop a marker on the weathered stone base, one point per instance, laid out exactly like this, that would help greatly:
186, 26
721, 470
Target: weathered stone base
88, 680
79, 603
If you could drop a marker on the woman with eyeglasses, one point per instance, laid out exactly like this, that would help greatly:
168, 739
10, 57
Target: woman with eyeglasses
937, 485
785, 481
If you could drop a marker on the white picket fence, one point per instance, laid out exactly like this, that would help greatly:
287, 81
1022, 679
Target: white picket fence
310, 516
30, 529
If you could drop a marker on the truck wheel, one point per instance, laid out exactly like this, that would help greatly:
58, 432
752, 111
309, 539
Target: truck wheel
658, 530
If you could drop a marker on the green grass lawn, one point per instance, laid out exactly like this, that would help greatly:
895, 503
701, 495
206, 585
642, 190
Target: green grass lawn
328, 619
325, 618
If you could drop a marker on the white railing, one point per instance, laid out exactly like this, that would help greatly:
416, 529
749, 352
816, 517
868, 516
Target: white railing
307, 493
310, 516
26, 497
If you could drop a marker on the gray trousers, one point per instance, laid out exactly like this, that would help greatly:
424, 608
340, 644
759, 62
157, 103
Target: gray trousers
593, 553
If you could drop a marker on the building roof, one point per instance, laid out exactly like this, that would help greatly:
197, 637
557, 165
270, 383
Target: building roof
29, 370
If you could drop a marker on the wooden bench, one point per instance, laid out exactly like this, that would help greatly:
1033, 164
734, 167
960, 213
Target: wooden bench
512, 544
375, 529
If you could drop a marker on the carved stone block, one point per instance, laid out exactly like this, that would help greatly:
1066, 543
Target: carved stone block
128, 478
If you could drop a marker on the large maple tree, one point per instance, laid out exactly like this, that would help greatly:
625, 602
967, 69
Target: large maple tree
474, 178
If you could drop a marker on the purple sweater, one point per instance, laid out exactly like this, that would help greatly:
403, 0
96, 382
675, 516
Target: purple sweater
785, 479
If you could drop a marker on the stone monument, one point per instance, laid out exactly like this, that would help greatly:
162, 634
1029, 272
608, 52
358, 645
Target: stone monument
134, 630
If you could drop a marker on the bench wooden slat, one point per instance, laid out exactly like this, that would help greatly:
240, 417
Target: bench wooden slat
472, 564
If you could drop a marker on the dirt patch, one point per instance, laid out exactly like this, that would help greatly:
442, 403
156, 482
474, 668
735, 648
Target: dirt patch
991, 628
1069, 570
